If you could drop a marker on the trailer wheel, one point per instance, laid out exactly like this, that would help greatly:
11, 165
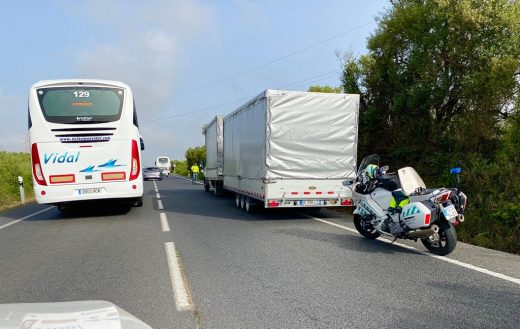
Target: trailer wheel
250, 205
243, 202
206, 185
237, 200
217, 188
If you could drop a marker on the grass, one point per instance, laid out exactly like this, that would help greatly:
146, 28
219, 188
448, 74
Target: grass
13, 165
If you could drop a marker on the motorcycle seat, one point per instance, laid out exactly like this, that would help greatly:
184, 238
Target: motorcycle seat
388, 182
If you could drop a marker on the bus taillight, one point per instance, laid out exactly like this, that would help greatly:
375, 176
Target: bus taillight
135, 165
36, 166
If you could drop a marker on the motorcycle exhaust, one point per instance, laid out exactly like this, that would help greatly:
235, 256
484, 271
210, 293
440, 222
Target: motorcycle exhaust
421, 233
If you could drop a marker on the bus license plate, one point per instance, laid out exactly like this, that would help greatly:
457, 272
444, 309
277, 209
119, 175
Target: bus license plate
450, 212
86, 191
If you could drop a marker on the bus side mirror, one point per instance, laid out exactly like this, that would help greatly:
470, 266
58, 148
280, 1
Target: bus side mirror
142, 143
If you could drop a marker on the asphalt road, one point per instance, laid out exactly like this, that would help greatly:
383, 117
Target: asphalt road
271, 269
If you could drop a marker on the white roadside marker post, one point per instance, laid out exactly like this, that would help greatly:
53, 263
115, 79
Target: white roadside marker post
22, 192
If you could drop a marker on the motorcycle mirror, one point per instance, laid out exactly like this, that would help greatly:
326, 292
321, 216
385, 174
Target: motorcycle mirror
456, 170
347, 182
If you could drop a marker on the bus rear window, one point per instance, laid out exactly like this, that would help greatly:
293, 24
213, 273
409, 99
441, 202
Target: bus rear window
81, 104
163, 160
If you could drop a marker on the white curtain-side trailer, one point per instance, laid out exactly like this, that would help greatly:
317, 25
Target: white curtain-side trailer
214, 171
288, 149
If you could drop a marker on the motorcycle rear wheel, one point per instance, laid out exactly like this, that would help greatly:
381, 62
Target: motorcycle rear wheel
365, 228
447, 240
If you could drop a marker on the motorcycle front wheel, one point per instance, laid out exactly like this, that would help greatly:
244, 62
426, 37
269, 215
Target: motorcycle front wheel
446, 242
365, 228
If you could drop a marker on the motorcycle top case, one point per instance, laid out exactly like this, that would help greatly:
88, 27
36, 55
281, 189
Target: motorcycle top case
416, 215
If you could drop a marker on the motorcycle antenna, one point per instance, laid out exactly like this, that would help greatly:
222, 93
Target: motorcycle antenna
456, 171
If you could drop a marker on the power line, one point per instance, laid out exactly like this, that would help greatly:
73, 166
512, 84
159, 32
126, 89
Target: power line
322, 76
204, 109
251, 40
276, 60
243, 44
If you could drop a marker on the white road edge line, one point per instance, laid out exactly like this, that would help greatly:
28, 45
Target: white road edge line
188, 180
164, 222
24, 218
443, 258
160, 205
182, 301
157, 195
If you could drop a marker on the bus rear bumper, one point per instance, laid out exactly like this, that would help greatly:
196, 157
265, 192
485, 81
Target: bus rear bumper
83, 192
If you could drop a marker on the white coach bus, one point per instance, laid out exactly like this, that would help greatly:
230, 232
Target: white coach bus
85, 142
164, 164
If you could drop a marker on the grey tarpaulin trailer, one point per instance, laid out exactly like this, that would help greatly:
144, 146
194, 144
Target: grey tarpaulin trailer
286, 149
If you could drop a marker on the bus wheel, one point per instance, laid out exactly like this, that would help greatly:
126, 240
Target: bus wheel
138, 202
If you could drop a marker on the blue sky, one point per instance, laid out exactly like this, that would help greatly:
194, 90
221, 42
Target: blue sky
179, 57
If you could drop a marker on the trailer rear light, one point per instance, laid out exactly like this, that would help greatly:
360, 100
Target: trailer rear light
346, 202
319, 193
273, 203
306, 193
107, 176
294, 193
57, 179
427, 219
136, 166
330, 192
36, 166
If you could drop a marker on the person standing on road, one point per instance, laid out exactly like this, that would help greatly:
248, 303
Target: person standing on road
194, 173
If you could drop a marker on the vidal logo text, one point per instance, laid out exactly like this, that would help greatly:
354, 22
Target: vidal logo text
61, 158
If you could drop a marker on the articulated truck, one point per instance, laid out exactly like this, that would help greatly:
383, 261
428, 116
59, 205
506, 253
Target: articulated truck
285, 149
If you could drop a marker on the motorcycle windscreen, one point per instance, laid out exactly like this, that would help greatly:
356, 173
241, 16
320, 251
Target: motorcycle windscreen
370, 159
410, 180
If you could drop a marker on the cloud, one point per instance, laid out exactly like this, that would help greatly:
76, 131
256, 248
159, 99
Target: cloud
14, 132
146, 44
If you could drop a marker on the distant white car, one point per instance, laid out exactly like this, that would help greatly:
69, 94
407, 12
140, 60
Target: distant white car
152, 173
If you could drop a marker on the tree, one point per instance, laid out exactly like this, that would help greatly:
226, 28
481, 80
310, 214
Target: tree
325, 89
181, 167
196, 155
438, 71
439, 87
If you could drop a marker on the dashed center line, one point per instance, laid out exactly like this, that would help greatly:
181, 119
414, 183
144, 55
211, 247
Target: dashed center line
164, 222
160, 205
443, 258
182, 301
157, 195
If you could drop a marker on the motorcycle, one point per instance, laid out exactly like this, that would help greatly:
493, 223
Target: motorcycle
417, 212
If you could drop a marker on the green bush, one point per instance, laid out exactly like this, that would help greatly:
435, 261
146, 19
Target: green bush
181, 167
13, 165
